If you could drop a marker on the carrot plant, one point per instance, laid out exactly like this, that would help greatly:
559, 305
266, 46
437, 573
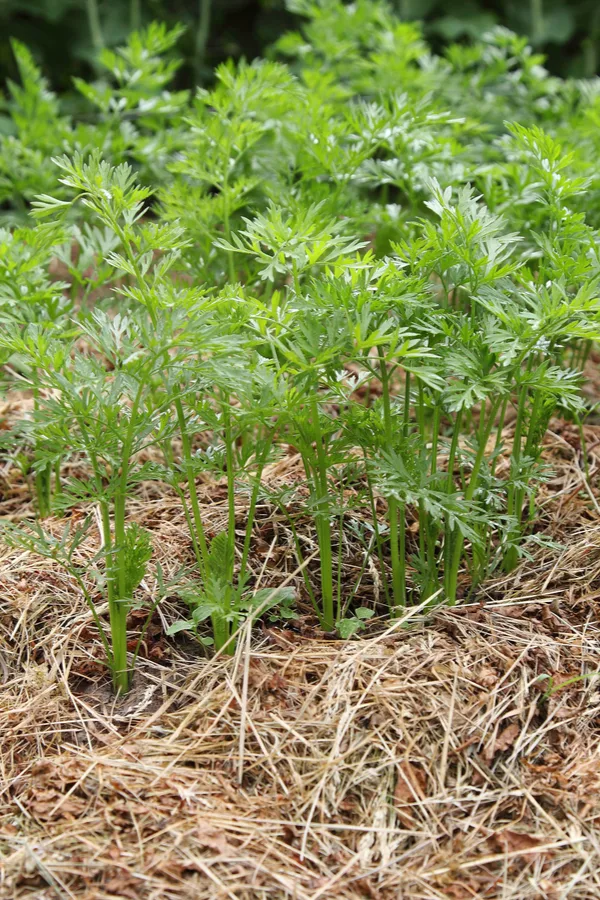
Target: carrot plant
242, 443
402, 287
31, 302
96, 412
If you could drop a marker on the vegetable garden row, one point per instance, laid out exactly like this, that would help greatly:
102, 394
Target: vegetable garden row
382, 260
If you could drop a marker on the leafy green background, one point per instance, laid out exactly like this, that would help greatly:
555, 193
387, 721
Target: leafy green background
60, 32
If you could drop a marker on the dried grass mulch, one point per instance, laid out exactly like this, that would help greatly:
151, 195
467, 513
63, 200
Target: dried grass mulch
454, 756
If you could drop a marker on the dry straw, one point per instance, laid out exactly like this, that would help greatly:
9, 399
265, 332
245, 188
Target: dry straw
425, 761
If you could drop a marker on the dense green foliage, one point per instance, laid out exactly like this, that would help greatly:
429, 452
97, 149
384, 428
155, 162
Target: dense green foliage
65, 35
371, 253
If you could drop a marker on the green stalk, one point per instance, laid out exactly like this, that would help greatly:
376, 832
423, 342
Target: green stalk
536, 13
116, 660
191, 482
529, 449
296, 278
121, 676
43, 491
133, 261
437, 414
484, 433
431, 531
42, 479
582, 358
448, 534
261, 462
98, 622
584, 452
221, 635
226, 225
402, 510
397, 539
323, 524
220, 625
301, 561
135, 15
191, 527
423, 517
117, 632
220, 620
485, 554
202, 32
378, 543
452, 453
339, 565
499, 434
57, 488
230, 463
406, 411
511, 557
94, 25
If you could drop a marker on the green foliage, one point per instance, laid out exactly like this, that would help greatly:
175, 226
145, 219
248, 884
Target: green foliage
67, 35
306, 257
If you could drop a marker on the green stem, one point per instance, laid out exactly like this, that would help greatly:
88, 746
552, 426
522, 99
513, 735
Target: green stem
296, 278
529, 450
323, 523
121, 675
339, 613
499, 430
57, 488
200, 536
117, 659
378, 542
230, 463
397, 538
406, 412
584, 452
135, 15
42, 479
423, 517
484, 433
226, 223
536, 11
94, 25
261, 462
133, 261
43, 491
191, 527
95, 616
432, 531
202, 32
301, 561
448, 533
118, 632
435, 429
482, 558
221, 632
511, 556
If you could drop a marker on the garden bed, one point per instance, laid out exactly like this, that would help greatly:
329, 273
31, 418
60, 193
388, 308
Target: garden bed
292, 368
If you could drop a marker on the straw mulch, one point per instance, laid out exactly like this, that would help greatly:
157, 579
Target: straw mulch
446, 755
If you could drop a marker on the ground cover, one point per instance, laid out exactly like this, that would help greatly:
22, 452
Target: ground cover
446, 755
